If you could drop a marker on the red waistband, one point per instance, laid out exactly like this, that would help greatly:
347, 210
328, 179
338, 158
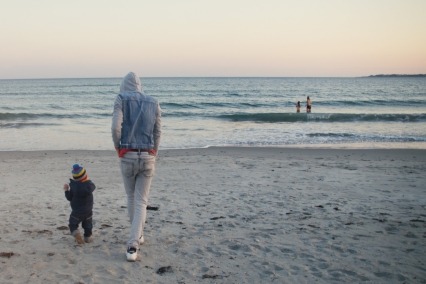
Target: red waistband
123, 151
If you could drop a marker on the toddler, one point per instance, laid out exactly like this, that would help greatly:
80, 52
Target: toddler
80, 194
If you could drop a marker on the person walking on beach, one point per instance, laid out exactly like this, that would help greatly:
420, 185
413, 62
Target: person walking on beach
79, 192
136, 132
308, 104
298, 106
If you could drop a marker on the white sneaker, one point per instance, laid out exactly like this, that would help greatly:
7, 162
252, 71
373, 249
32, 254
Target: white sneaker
131, 254
141, 240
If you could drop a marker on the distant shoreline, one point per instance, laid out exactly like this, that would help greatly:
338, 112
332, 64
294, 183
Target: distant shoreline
224, 77
398, 75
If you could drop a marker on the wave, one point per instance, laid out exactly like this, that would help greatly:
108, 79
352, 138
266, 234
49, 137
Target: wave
26, 116
222, 103
9, 116
354, 138
207, 105
373, 102
236, 117
24, 124
323, 117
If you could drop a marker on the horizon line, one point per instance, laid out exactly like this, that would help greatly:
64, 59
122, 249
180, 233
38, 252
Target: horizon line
183, 77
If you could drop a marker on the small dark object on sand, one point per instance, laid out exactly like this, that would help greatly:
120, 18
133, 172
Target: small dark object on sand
6, 254
164, 269
154, 208
206, 276
216, 218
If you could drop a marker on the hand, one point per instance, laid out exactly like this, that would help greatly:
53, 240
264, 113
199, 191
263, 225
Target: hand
152, 152
66, 187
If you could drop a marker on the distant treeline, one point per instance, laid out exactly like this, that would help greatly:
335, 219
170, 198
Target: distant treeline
398, 75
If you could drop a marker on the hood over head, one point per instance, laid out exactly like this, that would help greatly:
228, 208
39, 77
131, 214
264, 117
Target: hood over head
131, 83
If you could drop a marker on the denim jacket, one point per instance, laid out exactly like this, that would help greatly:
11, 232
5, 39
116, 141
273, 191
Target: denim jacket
136, 122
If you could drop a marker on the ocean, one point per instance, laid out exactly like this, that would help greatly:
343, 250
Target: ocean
75, 114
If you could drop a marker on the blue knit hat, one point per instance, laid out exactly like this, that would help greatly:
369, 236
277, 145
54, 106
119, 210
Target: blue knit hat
78, 172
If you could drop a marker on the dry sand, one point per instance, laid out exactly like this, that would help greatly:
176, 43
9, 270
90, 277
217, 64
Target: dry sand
226, 215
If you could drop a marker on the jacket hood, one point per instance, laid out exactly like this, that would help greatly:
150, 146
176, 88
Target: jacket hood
131, 83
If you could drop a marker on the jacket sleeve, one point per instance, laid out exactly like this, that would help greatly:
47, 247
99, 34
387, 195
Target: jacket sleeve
117, 120
92, 187
68, 195
87, 188
157, 129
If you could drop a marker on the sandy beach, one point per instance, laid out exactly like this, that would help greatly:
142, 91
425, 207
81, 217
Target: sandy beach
225, 215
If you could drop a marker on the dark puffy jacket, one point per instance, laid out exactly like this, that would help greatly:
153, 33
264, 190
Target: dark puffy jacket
80, 196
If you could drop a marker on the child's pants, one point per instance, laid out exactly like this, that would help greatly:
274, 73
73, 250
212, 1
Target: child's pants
84, 219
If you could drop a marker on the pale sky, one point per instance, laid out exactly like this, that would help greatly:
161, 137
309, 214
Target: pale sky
181, 38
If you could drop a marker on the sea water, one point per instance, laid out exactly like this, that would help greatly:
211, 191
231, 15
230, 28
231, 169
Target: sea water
67, 114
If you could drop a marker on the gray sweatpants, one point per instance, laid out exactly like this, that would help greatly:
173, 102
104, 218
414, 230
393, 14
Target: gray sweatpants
137, 170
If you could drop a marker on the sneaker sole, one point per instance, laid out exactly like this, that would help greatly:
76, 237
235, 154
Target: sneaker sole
131, 258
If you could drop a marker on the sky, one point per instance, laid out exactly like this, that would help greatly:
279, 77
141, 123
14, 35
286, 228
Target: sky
202, 38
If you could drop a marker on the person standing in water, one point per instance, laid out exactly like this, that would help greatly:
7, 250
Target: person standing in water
308, 104
298, 106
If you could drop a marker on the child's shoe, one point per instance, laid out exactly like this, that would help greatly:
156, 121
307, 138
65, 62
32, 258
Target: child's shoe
88, 239
76, 234
131, 254
141, 240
